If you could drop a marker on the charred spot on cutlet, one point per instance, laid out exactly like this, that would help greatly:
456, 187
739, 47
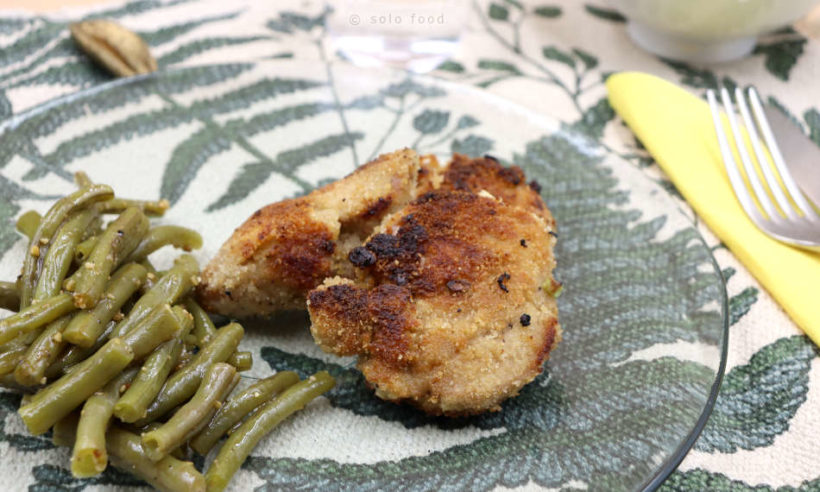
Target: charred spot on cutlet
402, 245
377, 209
490, 157
361, 257
458, 285
328, 246
525, 319
524, 243
501, 281
397, 256
535, 185
427, 197
553, 234
384, 246
512, 175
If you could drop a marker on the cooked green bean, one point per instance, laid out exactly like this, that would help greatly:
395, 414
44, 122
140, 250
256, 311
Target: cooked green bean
82, 179
84, 249
148, 266
194, 415
185, 320
56, 400
133, 404
240, 444
184, 383
35, 316
60, 254
87, 326
64, 432
161, 325
7, 381
9, 296
167, 290
75, 354
152, 277
28, 223
125, 451
151, 208
169, 474
204, 328
166, 235
240, 406
146, 385
95, 228
89, 457
242, 361
179, 453
116, 243
10, 356
45, 349
48, 226
185, 358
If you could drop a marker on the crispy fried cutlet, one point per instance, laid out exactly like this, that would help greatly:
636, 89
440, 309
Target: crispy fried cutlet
287, 248
452, 310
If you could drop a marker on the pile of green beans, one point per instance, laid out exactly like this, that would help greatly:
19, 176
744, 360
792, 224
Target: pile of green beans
119, 361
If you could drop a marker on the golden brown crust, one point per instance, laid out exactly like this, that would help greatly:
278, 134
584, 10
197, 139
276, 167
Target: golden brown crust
341, 304
287, 248
377, 321
299, 247
508, 184
438, 314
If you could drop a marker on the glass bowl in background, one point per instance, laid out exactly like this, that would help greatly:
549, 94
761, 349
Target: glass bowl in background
706, 31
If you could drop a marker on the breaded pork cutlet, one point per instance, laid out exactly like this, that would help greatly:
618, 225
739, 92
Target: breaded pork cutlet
452, 311
287, 248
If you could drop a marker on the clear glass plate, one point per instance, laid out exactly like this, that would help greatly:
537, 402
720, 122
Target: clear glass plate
643, 310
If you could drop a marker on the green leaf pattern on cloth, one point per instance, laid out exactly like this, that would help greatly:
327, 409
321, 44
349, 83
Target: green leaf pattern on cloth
757, 400
782, 54
766, 393
699, 479
549, 11
605, 13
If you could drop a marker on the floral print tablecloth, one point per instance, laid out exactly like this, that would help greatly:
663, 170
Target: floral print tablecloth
551, 56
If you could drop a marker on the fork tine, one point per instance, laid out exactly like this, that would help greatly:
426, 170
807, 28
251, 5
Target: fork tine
751, 173
762, 159
777, 157
729, 163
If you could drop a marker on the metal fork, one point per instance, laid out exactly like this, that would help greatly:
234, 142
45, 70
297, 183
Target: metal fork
782, 222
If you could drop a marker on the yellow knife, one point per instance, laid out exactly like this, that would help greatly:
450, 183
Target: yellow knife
676, 128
